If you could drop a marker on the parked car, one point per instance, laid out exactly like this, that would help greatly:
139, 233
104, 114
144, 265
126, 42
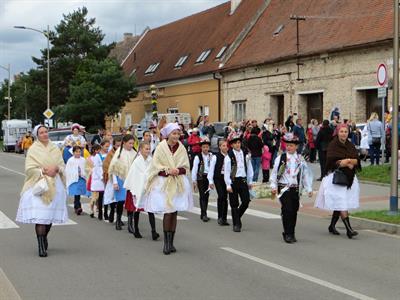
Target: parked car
217, 135
57, 136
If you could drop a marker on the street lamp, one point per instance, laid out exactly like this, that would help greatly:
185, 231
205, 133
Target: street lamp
47, 35
8, 69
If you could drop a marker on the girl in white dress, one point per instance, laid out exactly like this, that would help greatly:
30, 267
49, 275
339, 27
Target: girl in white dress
43, 197
168, 189
343, 195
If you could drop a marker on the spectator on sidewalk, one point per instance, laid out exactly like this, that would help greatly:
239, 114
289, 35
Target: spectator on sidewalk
324, 137
27, 142
298, 131
376, 137
255, 146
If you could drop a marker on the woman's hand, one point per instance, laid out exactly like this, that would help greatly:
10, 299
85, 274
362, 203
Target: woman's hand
174, 172
50, 171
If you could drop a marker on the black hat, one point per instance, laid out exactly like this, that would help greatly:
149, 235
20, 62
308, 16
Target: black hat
205, 142
290, 138
235, 138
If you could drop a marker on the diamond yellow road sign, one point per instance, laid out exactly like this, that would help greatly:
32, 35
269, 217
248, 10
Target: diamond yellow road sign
48, 113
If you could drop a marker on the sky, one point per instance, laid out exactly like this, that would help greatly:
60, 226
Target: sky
114, 17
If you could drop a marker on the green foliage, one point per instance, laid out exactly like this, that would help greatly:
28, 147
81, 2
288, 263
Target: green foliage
99, 89
379, 173
378, 215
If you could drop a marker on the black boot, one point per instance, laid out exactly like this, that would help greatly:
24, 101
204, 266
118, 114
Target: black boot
173, 250
288, 238
105, 212
335, 218
130, 222
46, 243
167, 245
136, 232
41, 245
154, 235
350, 232
100, 214
118, 225
112, 213
236, 220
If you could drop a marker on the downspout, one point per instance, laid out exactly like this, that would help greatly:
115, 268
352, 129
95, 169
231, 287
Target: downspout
218, 76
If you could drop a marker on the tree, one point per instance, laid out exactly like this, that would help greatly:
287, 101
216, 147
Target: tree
99, 89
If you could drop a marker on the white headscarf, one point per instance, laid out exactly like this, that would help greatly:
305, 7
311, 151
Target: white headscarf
167, 129
36, 129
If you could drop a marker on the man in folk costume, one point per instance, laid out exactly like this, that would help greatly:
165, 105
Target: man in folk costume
168, 187
289, 176
238, 176
155, 140
200, 171
216, 180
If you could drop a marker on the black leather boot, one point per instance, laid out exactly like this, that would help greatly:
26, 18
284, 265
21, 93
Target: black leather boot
167, 245
41, 245
173, 250
236, 220
350, 232
112, 213
130, 222
118, 225
105, 212
335, 218
154, 235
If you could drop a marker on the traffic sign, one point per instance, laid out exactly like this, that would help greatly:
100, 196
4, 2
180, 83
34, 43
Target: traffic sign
48, 113
381, 74
382, 92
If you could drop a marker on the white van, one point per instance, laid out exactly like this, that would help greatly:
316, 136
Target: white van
13, 131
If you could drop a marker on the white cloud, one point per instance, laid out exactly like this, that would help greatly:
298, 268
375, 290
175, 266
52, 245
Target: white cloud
114, 17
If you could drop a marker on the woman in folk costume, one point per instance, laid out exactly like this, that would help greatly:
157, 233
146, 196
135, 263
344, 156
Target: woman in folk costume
75, 139
94, 195
76, 178
168, 189
339, 190
97, 184
109, 190
119, 168
43, 197
134, 183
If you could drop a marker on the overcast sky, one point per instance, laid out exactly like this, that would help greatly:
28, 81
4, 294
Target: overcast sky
114, 17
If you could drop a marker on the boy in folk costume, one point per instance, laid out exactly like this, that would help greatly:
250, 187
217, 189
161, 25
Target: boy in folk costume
200, 171
118, 170
238, 176
109, 190
134, 183
289, 176
76, 178
216, 180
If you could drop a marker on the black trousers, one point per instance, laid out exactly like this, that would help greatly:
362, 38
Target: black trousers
222, 201
265, 175
240, 189
322, 162
290, 201
203, 187
100, 204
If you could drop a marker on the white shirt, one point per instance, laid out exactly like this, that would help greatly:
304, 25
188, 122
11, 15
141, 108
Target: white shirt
240, 170
75, 140
154, 142
294, 164
210, 175
207, 165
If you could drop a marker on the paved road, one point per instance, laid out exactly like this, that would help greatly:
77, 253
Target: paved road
90, 260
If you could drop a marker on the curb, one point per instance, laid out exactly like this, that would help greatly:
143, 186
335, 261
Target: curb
373, 183
375, 225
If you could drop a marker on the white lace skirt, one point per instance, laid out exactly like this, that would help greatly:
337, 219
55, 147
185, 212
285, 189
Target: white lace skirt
335, 197
32, 209
109, 193
155, 201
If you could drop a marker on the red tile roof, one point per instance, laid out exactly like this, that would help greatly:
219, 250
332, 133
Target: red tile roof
330, 25
210, 29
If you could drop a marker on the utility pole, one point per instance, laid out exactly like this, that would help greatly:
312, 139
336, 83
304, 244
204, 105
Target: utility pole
8, 69
298, 19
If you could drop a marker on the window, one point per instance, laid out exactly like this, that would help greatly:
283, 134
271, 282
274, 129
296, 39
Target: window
151, 69
221, 52
239, 108
204, 110
203, 56
173, 110
132, 73
181, 61
278, 30
128, 120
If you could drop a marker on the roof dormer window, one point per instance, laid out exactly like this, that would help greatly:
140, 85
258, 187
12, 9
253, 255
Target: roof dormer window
181, 61
203, 56
221, 52
152, 68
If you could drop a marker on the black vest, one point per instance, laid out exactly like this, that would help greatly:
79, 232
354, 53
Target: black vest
218, 166
234, 163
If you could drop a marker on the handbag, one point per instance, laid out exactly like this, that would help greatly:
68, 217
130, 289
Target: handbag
340, 178
40, 187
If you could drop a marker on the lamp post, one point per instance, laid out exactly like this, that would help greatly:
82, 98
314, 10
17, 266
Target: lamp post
8, 69
154, 97
46, 34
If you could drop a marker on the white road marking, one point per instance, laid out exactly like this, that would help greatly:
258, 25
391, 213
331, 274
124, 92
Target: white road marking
255, 213
299, 275
69, 222
6, 223
211, 214
11, 170
7, 290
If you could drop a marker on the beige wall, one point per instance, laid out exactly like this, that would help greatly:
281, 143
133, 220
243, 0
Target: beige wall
339, 76
186, 97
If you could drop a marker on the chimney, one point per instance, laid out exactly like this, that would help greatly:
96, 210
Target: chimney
127, 35
234, 5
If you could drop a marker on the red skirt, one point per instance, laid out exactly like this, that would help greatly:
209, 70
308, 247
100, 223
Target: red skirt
129, 205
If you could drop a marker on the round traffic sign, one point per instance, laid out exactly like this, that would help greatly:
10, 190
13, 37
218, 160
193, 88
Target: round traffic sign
381, 74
